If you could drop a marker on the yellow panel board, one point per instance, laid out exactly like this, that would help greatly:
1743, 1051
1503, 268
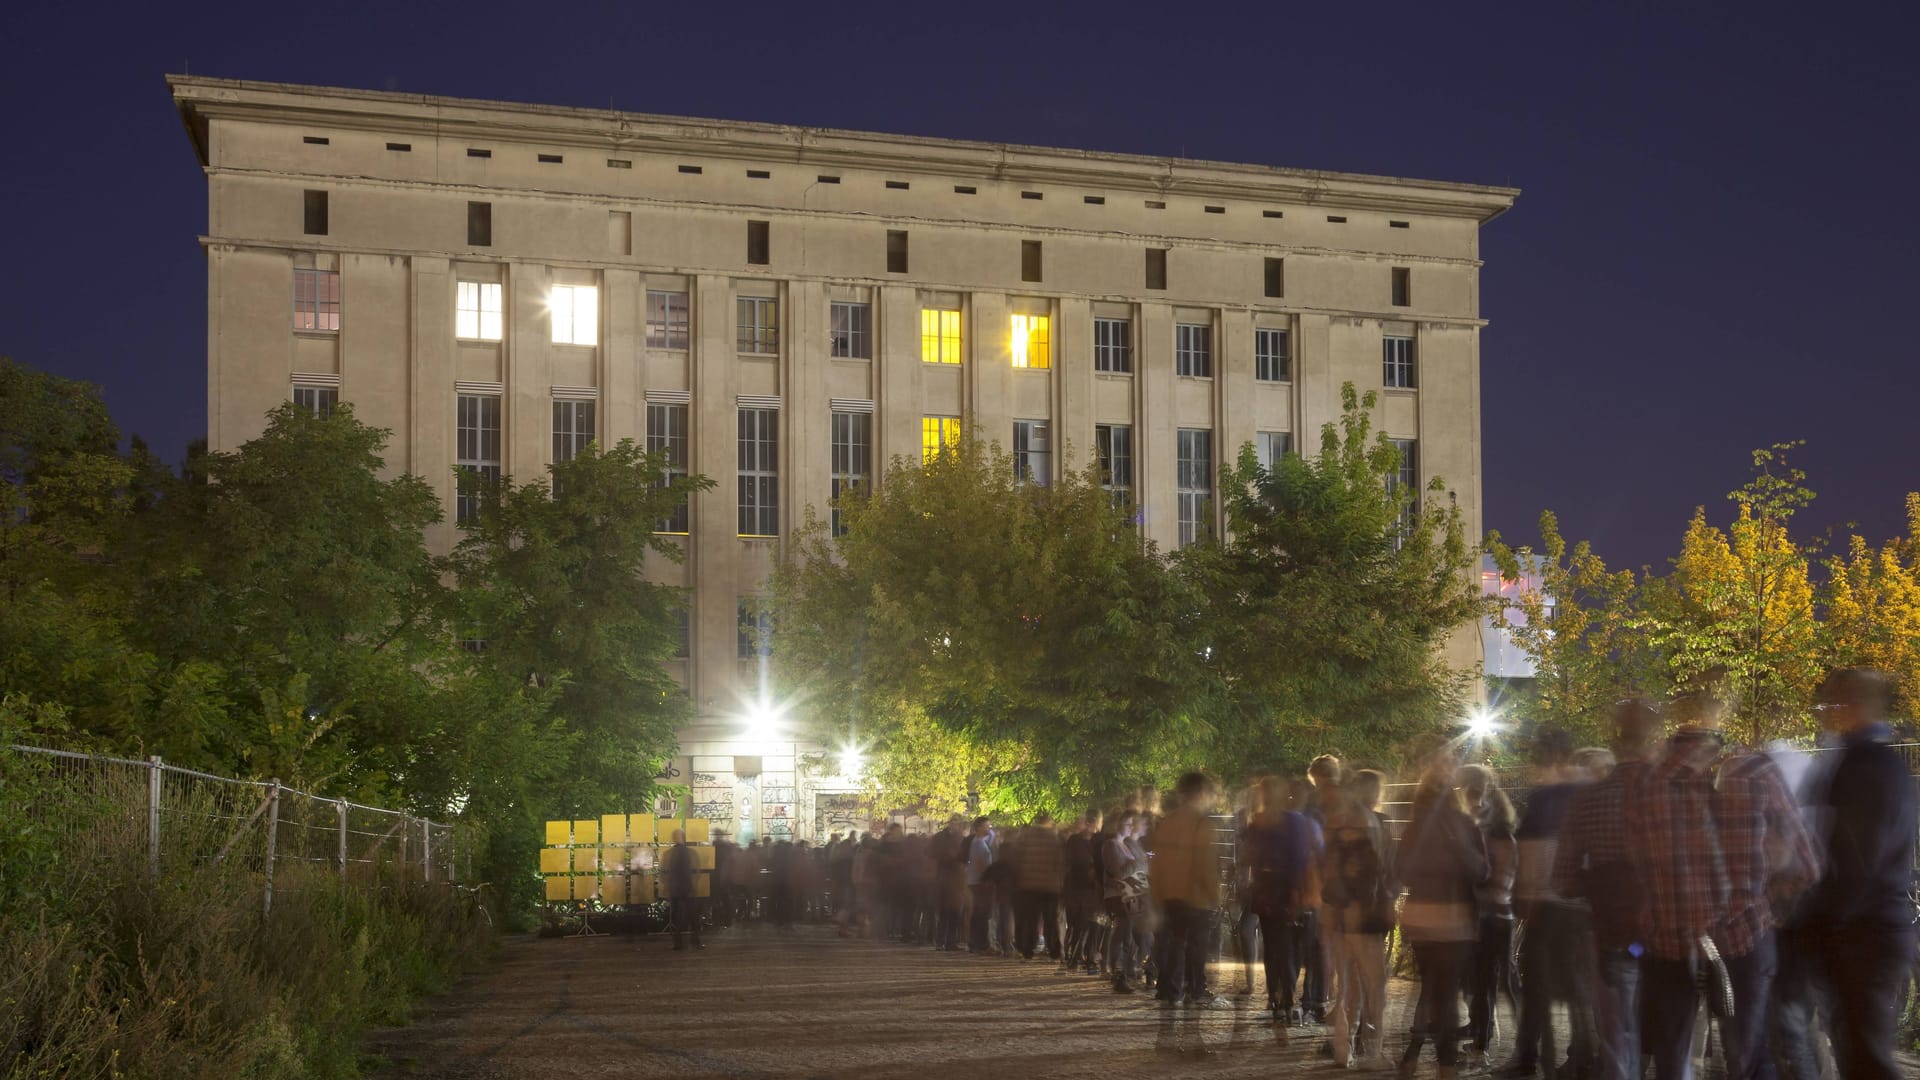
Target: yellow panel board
559, 887
586, 860
555, 861
586, 832
640, 828
703, 884
616, 859
698, 830
703, 858
559, 833
613, 888
613, 828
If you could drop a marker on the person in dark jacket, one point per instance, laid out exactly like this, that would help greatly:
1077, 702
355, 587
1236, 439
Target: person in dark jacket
1860, 910
682, 908
1282, 848
1039, 871
1443, 861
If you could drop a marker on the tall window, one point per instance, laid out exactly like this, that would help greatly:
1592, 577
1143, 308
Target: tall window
667, 434
940, 335
1193, 482
1402, 286
476, 310
1270, 355
1031, 347
852, 458
1029, 260
572, 429
316, 300
316, 213
850, 330
1032, 451
318, 400
896, 251
1113, 345
936, 434
759, 242
759, 324
1272, 446
480, 224
1406, 478
1156, 268
576, 314
755, 637
667, 320
1193, 350
1396, 362
477, 450
683, 649
1113, 449
759, 472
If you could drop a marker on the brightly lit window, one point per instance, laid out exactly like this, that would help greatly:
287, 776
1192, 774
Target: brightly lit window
476, 310
1030, 342
940, 335
936, 434
576, 314
316, 300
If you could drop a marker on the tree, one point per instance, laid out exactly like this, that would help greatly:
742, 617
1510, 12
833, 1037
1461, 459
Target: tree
1326, 606
1738, 608
1872, 603
1579, 623
1030, 621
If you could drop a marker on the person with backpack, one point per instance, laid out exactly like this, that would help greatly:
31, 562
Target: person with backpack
1357, 894
1282, 848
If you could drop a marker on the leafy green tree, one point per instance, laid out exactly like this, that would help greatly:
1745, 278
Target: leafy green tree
1327, 604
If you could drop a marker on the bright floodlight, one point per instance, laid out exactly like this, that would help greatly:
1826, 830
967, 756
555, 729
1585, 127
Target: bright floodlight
763, 721
852, 761
1482, 724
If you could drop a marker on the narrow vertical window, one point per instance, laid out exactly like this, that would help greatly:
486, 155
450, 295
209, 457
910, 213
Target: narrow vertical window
759, 472
755, 640
667, 319
476, 310
1113, 451
937, 433
852, 459
575, 311
683, 648
1273, 446
1113, 346
1032, 452
318, 400
573, 429
1276, 277
316, 213
1029, 260
1396, 362
1193, 482
1156, 268
940, 335
896, 251
316, 300
479, 224
759, 325
1402, 286
477, 451
759, 242
667, 435
850, 330
1270, 362
1193, 350
1031, 345
1406, 479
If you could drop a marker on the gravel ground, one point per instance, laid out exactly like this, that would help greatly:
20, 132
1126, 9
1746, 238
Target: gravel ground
761, 1003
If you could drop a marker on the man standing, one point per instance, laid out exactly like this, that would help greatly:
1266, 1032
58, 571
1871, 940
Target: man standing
1860, 912
1038, 873
683, 912
1324, 773
1594, 864
979, 859
949, 851
1553, 932
1185, 882
1713, 832
1082, 890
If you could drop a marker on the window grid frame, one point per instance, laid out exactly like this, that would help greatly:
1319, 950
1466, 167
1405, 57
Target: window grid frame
1398, 362
1113, 453
850, 330
574, 428
945, 339
318, 301
1113, 357
1031, 341
852, 452
477, 446
1271, 360
1193, 350
471, 320
669, 325
1033, 466
1193, 483
938, 433
667, 432
569, 313
320, 401
757, 325
759, 473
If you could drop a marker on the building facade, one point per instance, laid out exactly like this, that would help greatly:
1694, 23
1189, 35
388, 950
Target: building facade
787, 309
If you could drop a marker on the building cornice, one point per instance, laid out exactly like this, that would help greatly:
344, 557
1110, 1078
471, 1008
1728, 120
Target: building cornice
201, 99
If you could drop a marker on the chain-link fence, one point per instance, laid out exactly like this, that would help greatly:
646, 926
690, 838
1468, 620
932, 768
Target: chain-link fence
180, 816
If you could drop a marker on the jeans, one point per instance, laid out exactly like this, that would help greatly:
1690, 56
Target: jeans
982, 913
1442, 966
1312, 960
1794, 1021
1616, 1014
1031, 909
1280, 936
1358, 963
1672, 1000
1492, 977
1123, 960
1868, 968
1551, 969
1187, 935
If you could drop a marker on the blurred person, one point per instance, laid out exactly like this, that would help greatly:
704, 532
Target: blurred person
1124, 890
1080, 888
1324, 774
1442, 861
949, 852
1493, 967
1246, 921
1184, 880
979, 858
1861, 910
1554, 929
1039, 872
1712, 832
1594, 863
677, 874
1283, 847
1358, 891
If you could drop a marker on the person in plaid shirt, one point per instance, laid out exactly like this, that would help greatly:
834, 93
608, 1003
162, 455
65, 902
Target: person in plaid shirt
1714, 832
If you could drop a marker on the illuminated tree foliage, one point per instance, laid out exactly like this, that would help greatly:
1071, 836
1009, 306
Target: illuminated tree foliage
1873, 607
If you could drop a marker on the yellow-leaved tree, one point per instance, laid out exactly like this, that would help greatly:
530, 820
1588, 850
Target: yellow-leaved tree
1873, 608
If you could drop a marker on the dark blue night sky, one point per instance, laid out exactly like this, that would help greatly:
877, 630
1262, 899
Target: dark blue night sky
1714, 248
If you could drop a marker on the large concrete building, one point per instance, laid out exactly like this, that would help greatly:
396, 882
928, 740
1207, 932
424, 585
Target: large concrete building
786, 309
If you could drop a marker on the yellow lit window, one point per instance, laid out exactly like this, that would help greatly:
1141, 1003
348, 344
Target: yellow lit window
1030, 346
939, 336
936, 434
576, 314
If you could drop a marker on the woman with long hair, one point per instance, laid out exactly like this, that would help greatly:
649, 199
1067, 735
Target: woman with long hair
1492, 973
1443, 860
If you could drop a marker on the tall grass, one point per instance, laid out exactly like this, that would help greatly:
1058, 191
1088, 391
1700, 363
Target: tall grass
106, 971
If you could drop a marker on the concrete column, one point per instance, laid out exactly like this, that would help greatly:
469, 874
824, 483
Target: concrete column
621, 410
713, 550
1155, 444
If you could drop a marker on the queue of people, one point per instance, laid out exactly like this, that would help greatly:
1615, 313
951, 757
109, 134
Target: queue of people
1664, 879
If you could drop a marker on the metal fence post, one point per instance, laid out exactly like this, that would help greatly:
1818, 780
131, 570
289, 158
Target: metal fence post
342, 807
426, 851
273, 833
153, 817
